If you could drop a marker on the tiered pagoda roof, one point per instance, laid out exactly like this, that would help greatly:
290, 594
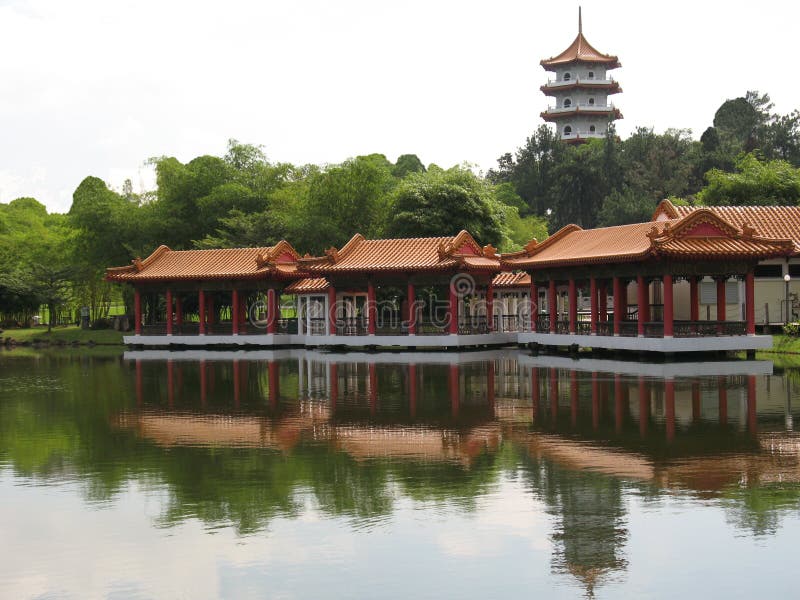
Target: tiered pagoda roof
580, 50
279, 261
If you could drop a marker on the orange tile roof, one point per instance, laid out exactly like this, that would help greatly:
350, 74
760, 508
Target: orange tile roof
307, 286
406, 255
699, 235
277, 261
780, 222
508, 279
580, 50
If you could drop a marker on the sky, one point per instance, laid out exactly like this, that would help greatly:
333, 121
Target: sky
96, 87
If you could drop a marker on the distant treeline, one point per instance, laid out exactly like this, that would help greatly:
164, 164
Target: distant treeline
749, 156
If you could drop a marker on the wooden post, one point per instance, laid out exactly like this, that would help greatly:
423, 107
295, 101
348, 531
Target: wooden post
552, 305
372, 308
642, 301
617, 285
694, 299
453, 311
272, 311
331, 309
235, 311
534, 304
750, 302
201, 303
411, 299
593, 305
603, 302
721, 303
169, 315
490, 307
573, 306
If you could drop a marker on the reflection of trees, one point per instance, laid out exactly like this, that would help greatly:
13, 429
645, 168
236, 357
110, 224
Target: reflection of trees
590, 520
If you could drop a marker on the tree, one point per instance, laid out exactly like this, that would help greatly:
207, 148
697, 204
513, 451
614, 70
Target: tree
756, 182
440, 203
407, 163
624, 207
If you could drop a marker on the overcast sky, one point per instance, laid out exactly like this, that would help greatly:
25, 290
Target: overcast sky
95, 87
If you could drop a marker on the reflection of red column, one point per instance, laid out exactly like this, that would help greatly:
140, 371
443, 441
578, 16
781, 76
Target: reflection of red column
372, 309
535, 392
534, 302
412, 390
490, 306
552, 305
334, 375
170, 384
669, 314
573, 306
619, 398
573, 397
180, 381
593, 304
553, 393
235, 306
722, 391
595, 401
751, 404
169, 315
695, 402
455, 393
373, 389
274, 384
237, 392
203, 384
669, 408
411, 299
644, 406
138, 382
750, 302
490, 385
137, 312
694, 300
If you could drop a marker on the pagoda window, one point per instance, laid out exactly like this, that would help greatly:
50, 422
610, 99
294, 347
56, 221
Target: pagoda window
591, 101
592, 128
567, 76
567, 130
567, 102
591, 74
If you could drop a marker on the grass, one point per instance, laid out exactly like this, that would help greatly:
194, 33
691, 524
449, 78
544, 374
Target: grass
66, 335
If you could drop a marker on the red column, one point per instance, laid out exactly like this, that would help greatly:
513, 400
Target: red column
179, 310
490, 306
272, 311
669, 408
235, 311
617, 284
137, 312
534, 303
721, 299
168, 301
411, 298
722, 392
603, 302
552, 305
534, 392
642, 301
332, 309
593, 304
453, 311
412, 390
201, 310
750, 302
694, 299
372, 308
573, 307
668, 307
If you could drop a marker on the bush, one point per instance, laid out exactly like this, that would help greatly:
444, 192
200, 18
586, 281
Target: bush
101, 324
792, 329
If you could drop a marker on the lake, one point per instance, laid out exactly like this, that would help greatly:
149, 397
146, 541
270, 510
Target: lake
302, 474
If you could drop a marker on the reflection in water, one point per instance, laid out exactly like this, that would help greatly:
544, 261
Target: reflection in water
238, 439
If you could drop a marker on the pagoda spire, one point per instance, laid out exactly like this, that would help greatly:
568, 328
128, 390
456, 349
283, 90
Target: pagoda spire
580, 21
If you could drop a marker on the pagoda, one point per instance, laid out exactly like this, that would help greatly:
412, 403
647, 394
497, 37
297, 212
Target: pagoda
581, 89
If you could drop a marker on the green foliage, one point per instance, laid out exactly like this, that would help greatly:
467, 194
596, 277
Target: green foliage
626, 206
407, 163
756, 182
792, 329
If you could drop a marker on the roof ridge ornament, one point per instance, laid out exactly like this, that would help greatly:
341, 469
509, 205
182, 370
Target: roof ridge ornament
748, 231
490, 251
332, 253
137, 263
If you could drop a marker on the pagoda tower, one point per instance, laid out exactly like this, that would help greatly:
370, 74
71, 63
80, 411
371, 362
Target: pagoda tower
581, 89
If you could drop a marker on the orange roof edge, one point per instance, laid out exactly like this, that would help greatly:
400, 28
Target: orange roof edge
665, 208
